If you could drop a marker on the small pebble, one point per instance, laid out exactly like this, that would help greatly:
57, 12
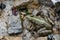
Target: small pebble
2, 6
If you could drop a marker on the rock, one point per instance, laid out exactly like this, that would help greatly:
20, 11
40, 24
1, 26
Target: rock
1, 37
26, 35
57, 4
50, 37
46, 2
3, 31
15, 26
57, 10
20, 2
32, 38
53, 37
55, 30
34, 4
57, 36
3, 26
41, 38
2, 6
14, 30
55, 1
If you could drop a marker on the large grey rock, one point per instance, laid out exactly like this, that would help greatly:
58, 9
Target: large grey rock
14, 30
3, 29
54, 37
14, 24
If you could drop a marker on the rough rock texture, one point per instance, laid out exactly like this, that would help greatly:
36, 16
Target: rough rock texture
14, 24
9, 22
46, 2
30, 19
53, 37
